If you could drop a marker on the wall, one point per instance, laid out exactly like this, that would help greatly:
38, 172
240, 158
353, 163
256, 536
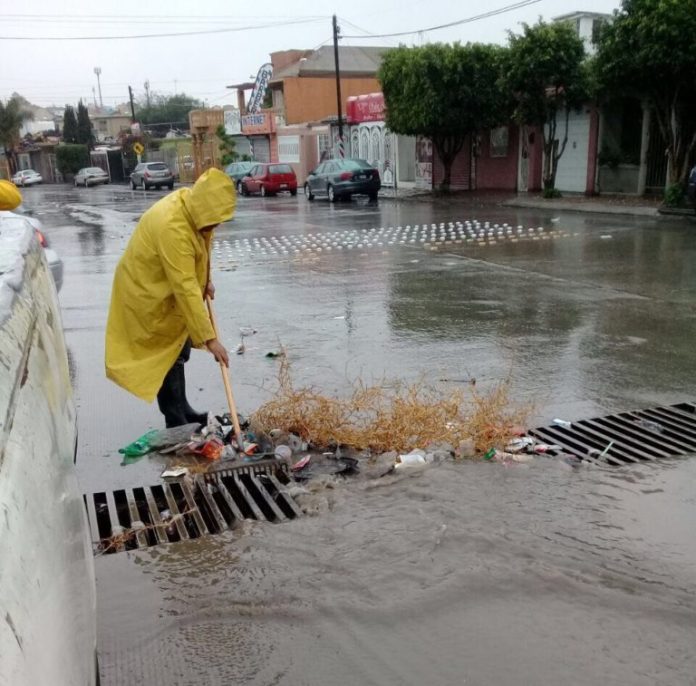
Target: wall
308, 155
497, 173
47, 593
311, 99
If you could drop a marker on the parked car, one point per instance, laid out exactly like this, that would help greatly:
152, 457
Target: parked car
91, 176
237, 171
47, 594
149, 174
342, 179
55, 264
691, 187
27, 177
269, 179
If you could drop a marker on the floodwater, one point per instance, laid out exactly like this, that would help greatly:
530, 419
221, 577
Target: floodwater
461, 574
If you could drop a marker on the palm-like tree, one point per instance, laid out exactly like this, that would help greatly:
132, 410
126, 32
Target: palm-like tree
12, 116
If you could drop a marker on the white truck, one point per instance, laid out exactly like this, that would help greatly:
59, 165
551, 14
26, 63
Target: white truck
47, 588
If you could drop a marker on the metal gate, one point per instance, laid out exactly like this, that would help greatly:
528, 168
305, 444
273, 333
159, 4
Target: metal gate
656, 178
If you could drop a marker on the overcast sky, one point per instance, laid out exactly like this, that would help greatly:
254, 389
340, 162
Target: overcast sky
56, 72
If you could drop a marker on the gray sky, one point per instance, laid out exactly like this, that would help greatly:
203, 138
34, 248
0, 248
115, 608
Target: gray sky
57, 72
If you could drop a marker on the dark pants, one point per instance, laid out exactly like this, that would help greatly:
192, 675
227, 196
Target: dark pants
172, 396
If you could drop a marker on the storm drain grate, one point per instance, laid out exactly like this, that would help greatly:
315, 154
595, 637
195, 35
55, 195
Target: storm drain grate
628, 437
140, 517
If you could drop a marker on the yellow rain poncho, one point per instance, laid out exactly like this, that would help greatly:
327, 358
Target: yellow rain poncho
10, 197
159, 284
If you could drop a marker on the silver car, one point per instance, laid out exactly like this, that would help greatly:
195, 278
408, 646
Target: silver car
152, 174
91, 176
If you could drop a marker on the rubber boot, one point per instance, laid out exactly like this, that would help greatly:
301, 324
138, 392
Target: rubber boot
172, 397
191, 414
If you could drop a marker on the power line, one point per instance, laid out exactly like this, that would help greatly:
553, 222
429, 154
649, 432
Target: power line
468, 20
161, 35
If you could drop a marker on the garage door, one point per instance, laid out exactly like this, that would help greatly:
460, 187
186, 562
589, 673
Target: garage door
261, 146
572, 167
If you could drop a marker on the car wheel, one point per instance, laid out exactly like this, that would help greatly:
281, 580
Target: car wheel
308, 193
372, 197
263, 192
145, 186
293, 192
75, 183
331, 193
240, 188
170, 186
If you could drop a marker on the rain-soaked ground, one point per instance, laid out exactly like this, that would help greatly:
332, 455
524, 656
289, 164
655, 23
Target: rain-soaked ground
462, 574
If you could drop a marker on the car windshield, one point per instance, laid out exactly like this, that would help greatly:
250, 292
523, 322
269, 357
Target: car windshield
157, 166
280, 169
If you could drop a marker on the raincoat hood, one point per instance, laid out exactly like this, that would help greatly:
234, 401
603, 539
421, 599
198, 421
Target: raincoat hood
212, 199
10, 197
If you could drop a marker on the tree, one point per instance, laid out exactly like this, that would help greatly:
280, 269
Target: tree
84, 126
546, 76
227, 146
444, 92
166, 112
648, 52
69, 125
12, 116
70, 158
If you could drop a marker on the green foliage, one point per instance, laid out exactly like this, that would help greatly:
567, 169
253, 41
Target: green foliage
648, 52
12, 116
674, 195
71, 157
546, 74
226, 147
84, 126
445, 92
165, 112
69, 125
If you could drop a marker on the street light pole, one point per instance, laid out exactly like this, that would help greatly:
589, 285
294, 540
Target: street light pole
336, 30
97, 71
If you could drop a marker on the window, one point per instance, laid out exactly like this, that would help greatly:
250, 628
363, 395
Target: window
499, 141
280, 169
157, 166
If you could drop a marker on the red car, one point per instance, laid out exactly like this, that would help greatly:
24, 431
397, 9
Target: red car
269, 179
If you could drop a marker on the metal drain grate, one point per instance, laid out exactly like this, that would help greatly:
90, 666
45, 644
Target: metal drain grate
658, 432
133, 518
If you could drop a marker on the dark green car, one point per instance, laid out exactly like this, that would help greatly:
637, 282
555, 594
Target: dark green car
237, 171
342, 179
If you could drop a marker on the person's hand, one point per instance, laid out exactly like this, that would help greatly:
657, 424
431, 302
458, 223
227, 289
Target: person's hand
218, 351
210, 291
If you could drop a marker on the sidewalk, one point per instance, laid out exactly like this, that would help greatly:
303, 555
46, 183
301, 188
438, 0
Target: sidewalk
605, 204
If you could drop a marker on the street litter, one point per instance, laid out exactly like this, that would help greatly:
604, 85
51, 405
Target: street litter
649, 426
416, 458
301, 463
275, 353
158, 439
606, 236
174, 472
564, 423
210, 449
518, 444
283, 452
241, 349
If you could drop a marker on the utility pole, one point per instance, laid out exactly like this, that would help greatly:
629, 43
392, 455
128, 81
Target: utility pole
94, 95
97, 71
336, 30
147, 93
130, 94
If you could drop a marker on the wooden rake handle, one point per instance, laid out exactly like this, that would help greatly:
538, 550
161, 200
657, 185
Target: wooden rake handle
226, 381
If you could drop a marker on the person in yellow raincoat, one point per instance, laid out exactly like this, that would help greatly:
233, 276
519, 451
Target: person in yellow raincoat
157, 307
10, 197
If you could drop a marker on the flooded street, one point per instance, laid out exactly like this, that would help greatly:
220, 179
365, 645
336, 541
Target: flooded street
471, 573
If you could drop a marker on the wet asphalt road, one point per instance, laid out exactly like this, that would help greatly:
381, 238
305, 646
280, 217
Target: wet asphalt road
587, 578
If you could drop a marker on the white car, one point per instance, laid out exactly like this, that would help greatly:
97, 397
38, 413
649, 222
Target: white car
91, 176
47, 586
27, 177
55, 264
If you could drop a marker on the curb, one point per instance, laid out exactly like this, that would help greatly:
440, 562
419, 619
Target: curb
633, 210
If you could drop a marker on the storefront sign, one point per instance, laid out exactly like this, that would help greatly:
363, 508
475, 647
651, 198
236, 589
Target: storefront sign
257, 123
364, 108
233, 122
260, 87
